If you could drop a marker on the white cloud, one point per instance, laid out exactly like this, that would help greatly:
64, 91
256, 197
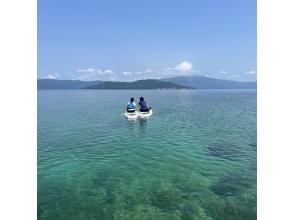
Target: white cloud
184, 66
91, 74
108, 71
223, 72
149, 71
88, 70
88, 76
127, 73
251, 72
96, 71
52, 76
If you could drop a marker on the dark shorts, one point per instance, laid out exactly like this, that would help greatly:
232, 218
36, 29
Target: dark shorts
144, 110
130, 110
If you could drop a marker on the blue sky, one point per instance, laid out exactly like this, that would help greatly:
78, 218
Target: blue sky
136, 39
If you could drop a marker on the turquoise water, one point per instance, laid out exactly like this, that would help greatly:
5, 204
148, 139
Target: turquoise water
195, 158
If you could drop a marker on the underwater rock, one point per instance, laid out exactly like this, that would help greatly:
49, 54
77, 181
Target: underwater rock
226, 151
166, 199
232, 184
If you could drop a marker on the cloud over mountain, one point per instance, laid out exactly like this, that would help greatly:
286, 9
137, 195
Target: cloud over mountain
184, 66
91, 73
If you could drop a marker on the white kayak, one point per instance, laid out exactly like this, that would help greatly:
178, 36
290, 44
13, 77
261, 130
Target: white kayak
135, 115
145, 114
131, 115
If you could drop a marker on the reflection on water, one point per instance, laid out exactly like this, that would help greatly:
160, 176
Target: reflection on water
143, 124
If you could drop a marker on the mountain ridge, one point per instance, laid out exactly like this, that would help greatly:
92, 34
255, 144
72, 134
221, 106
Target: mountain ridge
180, 82
139, 84
64, 84
203, 82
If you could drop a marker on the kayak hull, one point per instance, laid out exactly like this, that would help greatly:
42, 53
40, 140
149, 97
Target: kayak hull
136, 115
145, 114
131, 115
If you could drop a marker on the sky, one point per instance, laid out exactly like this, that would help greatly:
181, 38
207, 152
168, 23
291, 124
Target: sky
126, 40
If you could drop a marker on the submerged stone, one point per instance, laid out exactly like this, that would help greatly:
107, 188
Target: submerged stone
232, 184
167, 199
226, 151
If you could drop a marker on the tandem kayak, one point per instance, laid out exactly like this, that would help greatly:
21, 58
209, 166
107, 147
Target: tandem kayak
135, 115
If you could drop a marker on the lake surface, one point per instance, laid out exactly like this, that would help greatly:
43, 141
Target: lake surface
194, 158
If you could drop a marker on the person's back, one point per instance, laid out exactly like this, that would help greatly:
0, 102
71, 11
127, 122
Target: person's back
131, 107
143, 105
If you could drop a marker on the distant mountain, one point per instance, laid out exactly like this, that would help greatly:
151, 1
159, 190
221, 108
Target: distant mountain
140, 84
202, 82
181, 82
64, 84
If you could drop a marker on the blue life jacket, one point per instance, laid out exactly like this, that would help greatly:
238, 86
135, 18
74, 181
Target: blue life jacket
143, 105
131, 106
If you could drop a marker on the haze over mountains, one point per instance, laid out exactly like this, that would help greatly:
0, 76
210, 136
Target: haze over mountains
65, 84
203, 82
182, 82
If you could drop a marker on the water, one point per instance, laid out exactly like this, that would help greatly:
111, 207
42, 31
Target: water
195, 158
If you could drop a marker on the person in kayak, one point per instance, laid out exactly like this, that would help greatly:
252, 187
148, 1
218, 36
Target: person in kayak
132, 107
143, 105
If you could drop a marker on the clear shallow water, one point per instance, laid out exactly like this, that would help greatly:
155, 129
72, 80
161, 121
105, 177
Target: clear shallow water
195, 158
